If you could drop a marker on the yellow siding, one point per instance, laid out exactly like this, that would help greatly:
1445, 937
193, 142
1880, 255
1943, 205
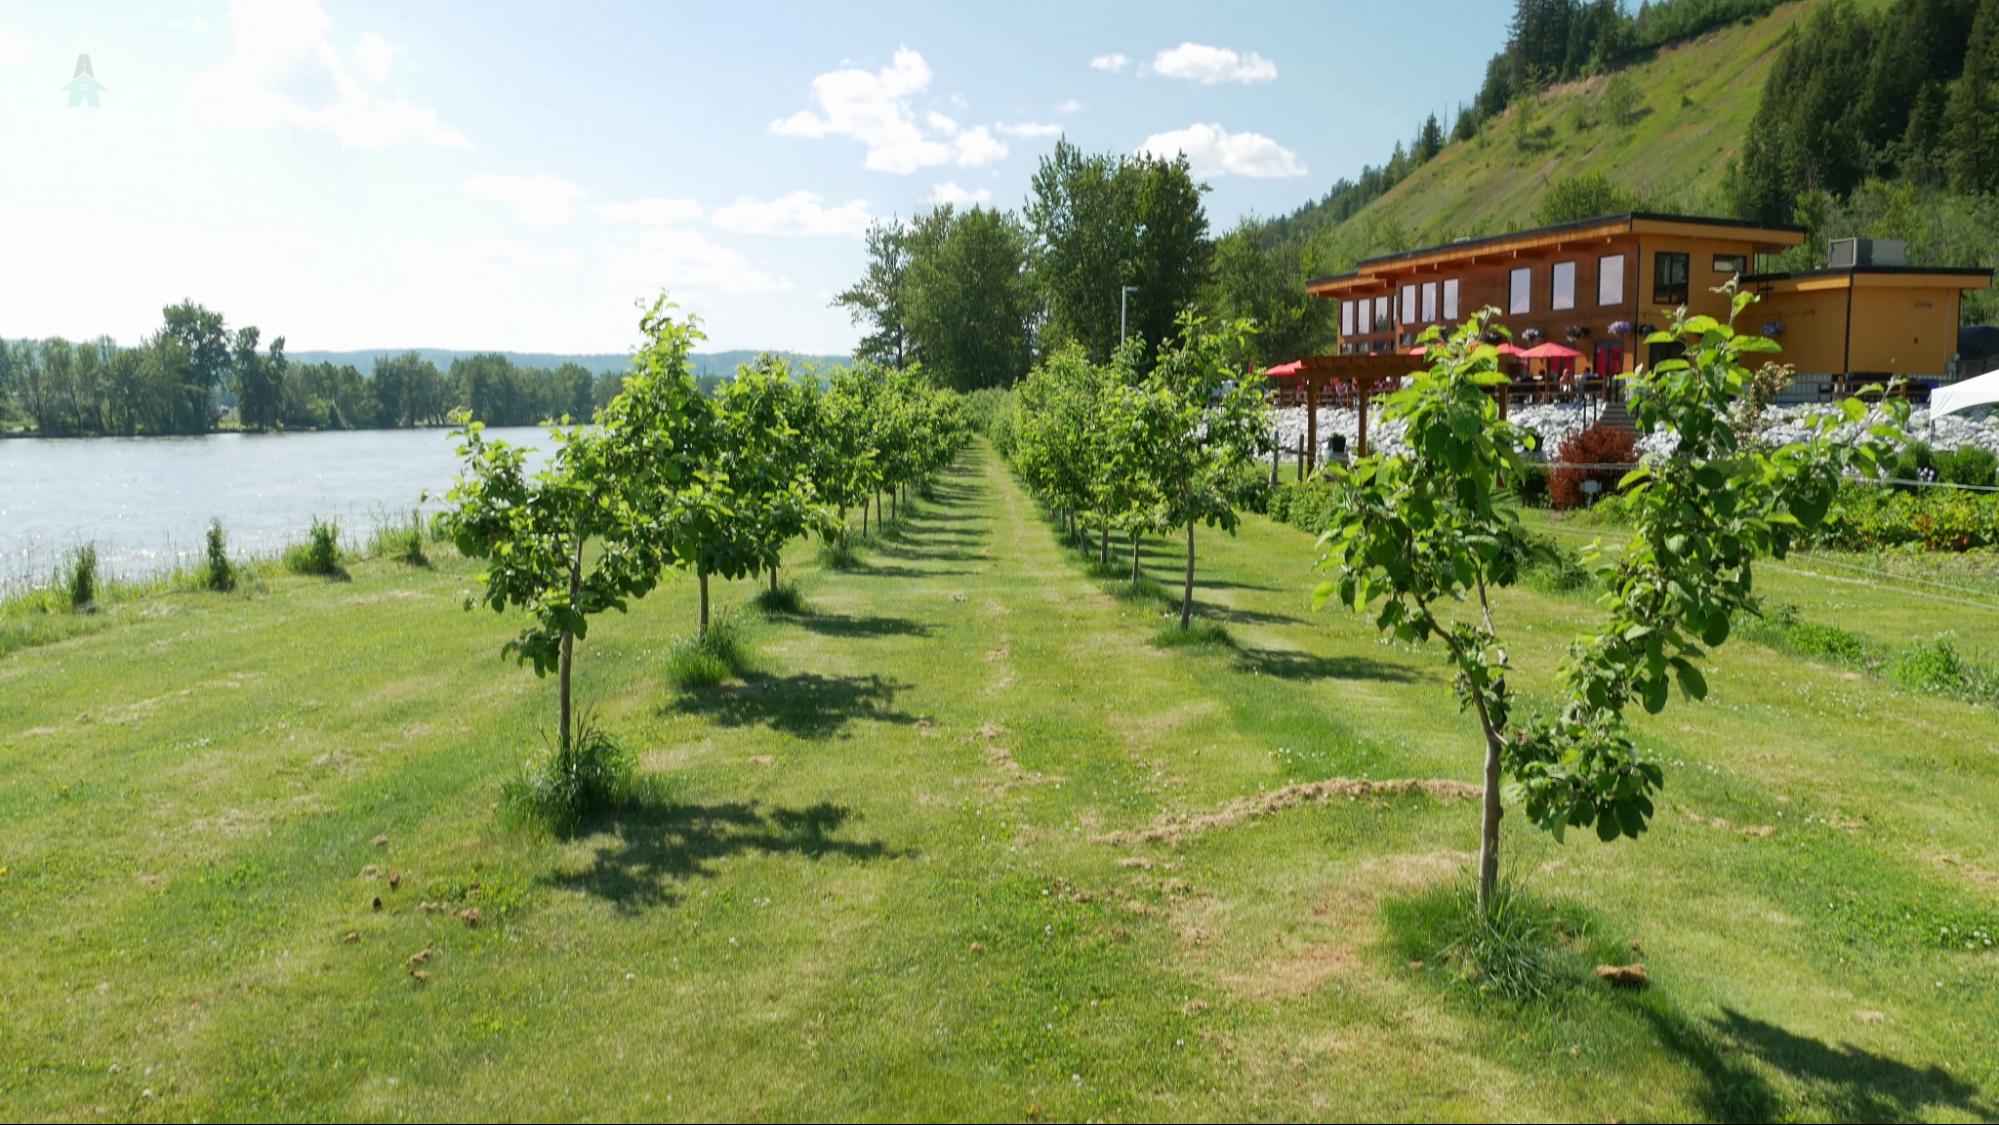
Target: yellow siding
1903, 331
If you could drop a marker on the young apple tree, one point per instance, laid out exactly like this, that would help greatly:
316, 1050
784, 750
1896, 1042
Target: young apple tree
1422, 539
1203, 428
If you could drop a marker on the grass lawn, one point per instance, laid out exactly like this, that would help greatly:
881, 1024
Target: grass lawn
965, 844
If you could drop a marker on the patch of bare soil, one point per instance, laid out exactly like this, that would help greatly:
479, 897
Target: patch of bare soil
1174, 827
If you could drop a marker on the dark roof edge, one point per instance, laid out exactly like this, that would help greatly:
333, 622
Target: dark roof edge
1837, 271
1626, 217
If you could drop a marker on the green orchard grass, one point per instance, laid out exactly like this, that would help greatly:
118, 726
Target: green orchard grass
961, 842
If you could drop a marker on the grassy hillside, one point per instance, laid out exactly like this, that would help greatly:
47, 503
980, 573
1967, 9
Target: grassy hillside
964, 845
1697, 100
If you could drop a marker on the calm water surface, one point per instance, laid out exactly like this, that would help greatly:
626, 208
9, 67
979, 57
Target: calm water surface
146, 502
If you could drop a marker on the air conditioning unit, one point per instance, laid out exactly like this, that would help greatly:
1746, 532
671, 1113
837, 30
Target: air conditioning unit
1847, 253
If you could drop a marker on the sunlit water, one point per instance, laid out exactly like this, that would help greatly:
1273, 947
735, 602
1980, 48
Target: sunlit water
146, 502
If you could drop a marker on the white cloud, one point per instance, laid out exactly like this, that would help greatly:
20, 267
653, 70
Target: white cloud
1214, 151
1112, 63
1211, 66
977, 148
375, 57
801, 212
1029, 129
876, 108
541, 201
283, 69
681, 262
1069, 107
951, 193
655, 212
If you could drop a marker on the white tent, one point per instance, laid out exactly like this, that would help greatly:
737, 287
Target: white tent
1980, 390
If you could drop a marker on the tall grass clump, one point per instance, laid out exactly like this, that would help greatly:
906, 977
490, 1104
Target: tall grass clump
80, 578
558, 792
1520, 950
217, 572
403, 540
707, 660
782, 600
1940, 669
319, 554
839, 554
1206, 634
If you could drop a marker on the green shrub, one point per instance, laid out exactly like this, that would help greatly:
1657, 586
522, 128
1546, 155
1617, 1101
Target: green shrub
217, 572
701, 662
79, 578
559, 792
1940, 669
1532, 489
1870, 517
1306, 504
1782, 628
1915, 459
403, 540
319, 554
1970, 466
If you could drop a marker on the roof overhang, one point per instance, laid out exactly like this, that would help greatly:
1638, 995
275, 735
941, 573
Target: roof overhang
1374, 274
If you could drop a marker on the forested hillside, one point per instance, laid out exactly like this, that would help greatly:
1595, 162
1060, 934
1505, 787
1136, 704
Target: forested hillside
1851, 117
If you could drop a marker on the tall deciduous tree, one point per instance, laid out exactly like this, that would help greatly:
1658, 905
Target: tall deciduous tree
878, 300
969, 300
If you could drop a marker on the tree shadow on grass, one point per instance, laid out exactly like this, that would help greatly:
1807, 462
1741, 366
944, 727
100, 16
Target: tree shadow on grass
1843, 1082
1290, 664
644, 855
841, 625
804, 705
883, 570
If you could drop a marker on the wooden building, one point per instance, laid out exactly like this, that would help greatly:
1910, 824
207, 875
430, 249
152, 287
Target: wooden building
1599, 285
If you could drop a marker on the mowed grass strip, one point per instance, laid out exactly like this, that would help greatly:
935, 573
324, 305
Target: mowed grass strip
900, 867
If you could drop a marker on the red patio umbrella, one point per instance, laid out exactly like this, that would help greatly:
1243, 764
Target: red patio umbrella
1283, 370
1549, 350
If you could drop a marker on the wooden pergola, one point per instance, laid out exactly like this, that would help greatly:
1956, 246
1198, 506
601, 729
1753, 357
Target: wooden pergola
1363, 373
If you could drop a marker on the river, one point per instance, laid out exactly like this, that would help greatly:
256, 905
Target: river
146, 502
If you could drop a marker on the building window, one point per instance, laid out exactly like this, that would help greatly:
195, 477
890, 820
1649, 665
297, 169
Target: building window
1669, 278
1522, 296
1564, 286
1409, 304
1429, 302
1731, 263
1610, 278
1381, 313
1451, 300
1346, 318
1366, 317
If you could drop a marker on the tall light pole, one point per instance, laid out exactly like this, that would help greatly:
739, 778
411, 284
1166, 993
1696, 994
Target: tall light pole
1124, 292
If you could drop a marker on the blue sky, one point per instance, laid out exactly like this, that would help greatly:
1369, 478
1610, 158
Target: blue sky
504, 175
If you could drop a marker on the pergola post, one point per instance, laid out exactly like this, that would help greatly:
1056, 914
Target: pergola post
1311, 424
1361, 387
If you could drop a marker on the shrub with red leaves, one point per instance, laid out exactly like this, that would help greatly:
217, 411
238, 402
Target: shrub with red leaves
1597, 445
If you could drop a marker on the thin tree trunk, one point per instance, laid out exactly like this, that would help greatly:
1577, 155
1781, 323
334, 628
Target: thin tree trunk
773, 578
569, 641
704, 602
1104, 544
892, 504
1488, 835
568, 650
864, 517
1187, 592
1134, 556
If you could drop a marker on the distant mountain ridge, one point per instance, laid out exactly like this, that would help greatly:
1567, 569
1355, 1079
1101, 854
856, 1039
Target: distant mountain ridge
705, 363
